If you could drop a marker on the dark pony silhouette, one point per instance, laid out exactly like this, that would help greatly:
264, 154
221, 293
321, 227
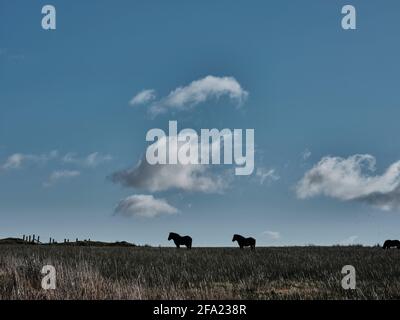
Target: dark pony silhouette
180, 241
391, 243
244, 242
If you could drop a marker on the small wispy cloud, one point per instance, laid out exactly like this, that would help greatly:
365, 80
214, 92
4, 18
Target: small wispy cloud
14, 161
92, 160
306, 154
143, 97
274, 235
268, 175
198, 91
60, 175
146, 206
18, 160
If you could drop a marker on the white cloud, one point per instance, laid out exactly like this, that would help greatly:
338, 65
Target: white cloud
196, 92
144, 206
348, 241
18, 160
352, 178
92, 160
14, 161
274, 235
143, 97
161, 177
61, 175
169, 176
264, 174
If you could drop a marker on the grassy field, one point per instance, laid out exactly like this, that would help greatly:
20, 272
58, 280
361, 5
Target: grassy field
202, 273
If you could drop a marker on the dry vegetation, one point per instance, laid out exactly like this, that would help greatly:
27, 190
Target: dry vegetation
202, 273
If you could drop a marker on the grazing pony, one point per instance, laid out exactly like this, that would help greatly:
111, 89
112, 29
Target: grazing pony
180, 241
391, 243
244, 242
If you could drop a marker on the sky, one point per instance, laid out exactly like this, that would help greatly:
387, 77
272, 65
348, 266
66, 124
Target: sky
77, 102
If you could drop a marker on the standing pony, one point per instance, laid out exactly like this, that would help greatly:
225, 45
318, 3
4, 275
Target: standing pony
180, 241
244, 242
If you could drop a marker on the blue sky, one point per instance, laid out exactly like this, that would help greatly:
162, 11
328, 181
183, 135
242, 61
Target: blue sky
315, 91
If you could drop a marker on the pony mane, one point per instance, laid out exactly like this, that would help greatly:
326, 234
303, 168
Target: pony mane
174, 234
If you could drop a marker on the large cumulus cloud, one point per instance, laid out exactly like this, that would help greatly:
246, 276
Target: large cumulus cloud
353, 178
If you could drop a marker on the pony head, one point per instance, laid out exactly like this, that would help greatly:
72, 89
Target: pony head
171, 235
235, 237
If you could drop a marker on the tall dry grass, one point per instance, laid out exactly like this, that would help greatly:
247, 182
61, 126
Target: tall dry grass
202, 273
